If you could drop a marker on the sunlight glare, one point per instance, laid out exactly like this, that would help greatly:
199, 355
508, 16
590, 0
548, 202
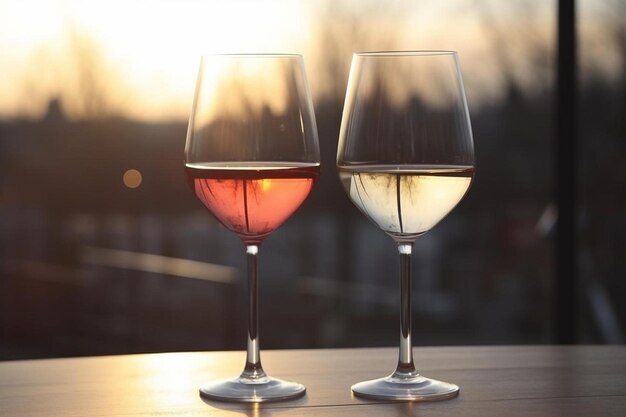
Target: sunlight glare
139, 58
169, 382
265, 184
152, 48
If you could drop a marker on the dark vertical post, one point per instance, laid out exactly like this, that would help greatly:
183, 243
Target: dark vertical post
566, 282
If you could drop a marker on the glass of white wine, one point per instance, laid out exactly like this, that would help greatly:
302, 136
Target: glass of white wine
405, 158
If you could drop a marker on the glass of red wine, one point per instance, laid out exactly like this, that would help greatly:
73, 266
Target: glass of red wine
252, 158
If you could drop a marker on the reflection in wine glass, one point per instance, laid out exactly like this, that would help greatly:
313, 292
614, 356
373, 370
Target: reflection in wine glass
405, 158
252, 158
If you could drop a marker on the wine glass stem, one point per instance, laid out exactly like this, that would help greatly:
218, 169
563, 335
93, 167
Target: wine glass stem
405, 360
253, 369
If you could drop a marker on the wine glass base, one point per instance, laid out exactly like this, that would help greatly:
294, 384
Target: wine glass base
252, 391
417, 388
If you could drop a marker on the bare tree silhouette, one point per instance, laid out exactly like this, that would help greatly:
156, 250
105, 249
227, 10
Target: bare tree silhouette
343, 30
92, 94
518, 52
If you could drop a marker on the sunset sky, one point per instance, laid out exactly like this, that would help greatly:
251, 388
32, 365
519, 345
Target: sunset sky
139, 58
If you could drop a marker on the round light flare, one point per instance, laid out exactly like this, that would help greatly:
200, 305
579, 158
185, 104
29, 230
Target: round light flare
132, 178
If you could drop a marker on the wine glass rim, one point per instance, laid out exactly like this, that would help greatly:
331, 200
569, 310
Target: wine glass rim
417, 52
252, 55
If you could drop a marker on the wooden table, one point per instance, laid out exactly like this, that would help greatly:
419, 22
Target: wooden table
494, 381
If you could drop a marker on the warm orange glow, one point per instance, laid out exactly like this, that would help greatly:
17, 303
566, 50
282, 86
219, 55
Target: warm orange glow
265, 184
132, 178
171, 385
139, 58
231, 88
141, 55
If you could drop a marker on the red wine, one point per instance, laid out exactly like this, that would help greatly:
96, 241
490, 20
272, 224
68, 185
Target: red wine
252, 199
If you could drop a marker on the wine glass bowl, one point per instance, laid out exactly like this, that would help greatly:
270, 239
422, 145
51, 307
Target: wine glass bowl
252, 158
405, 158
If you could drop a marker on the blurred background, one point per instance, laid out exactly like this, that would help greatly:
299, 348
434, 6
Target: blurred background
104, 249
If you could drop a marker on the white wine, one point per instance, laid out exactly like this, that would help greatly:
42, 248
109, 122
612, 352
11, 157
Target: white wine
406, 201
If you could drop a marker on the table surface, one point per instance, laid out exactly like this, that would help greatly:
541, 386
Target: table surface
494, 381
